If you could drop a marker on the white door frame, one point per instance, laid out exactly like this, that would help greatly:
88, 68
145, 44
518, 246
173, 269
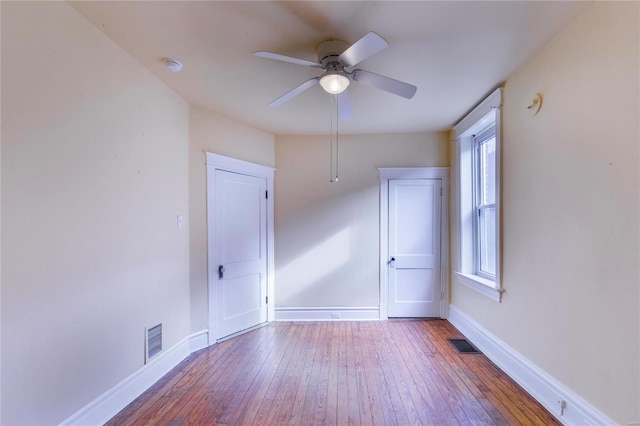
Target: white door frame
218, 162
386, 174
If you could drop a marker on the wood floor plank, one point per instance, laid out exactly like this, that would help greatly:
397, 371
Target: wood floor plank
401, 372
449, 361
353, 397
297, 408
474, 384
343, 416
379, 411
242, 374
334, 361
436, 375
392, 400
362, 389
336, 373
197, 390
281, 407
255, 397
272, 395
315, 402
322, 384
429, 402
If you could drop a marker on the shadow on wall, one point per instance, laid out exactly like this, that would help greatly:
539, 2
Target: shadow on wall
327, 238
317, 263
327, 253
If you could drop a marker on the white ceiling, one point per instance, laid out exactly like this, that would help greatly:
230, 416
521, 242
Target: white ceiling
455, 52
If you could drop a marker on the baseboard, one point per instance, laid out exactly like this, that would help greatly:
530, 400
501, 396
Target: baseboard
110, 403
199, 340
328, 314
544, 388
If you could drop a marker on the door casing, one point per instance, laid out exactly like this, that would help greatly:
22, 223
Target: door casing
219, 162
441, 173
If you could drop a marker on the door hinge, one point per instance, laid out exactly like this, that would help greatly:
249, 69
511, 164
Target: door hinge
441, 192
266, 194
266, 300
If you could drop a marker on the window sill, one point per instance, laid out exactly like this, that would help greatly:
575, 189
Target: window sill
479, 284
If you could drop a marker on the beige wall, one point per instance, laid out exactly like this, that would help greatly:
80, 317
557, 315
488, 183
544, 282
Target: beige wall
94, 173
327, 234
99, 157
210, 132
570, 213
0, 233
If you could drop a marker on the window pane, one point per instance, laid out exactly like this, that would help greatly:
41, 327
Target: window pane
488, 171
487, 240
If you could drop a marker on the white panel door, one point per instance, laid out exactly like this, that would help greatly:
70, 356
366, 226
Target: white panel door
414, 247
240, 252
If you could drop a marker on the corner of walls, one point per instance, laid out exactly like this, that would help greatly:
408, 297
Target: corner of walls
544, 388
212, 132
337, 222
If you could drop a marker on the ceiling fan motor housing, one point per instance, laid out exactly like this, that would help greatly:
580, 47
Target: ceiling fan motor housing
329, 51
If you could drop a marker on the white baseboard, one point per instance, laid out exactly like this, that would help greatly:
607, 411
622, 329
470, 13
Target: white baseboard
328, 314
110, 403
199, 340
544, 388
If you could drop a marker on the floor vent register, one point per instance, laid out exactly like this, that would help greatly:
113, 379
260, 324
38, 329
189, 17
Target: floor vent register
463, 346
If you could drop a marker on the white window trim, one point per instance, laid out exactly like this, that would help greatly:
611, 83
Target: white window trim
477, 196
487, 112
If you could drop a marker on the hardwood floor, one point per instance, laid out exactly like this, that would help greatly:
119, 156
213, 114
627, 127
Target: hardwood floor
390, 372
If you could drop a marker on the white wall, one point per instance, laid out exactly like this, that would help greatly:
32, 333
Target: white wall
571, 214
210, 132
327, 234
94, 173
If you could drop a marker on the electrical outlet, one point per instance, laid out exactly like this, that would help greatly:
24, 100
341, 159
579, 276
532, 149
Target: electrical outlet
335, 315
563, 405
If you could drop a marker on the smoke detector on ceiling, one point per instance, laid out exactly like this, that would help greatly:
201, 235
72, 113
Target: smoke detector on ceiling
172, 65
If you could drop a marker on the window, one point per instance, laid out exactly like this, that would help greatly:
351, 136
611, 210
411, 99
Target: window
484, 181
477, 174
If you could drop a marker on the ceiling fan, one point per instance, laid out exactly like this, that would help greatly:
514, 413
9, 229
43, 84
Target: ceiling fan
335, 56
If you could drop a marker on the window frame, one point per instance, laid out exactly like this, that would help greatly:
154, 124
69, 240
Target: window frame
480, 139
466, 262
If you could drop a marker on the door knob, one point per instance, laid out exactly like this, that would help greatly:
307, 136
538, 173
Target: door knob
220, 272
392, 262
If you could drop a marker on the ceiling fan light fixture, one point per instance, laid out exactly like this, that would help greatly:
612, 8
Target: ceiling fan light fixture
334, 82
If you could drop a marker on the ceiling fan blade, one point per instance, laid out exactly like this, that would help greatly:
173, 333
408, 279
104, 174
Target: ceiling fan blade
294, 92
367, 46
289, 59
345, 109
387, 84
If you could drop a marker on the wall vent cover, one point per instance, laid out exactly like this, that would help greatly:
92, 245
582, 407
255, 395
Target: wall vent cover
463, 346
154, 342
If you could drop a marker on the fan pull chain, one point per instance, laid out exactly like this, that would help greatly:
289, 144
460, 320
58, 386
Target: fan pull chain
337, 135
333, 177
331, 140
